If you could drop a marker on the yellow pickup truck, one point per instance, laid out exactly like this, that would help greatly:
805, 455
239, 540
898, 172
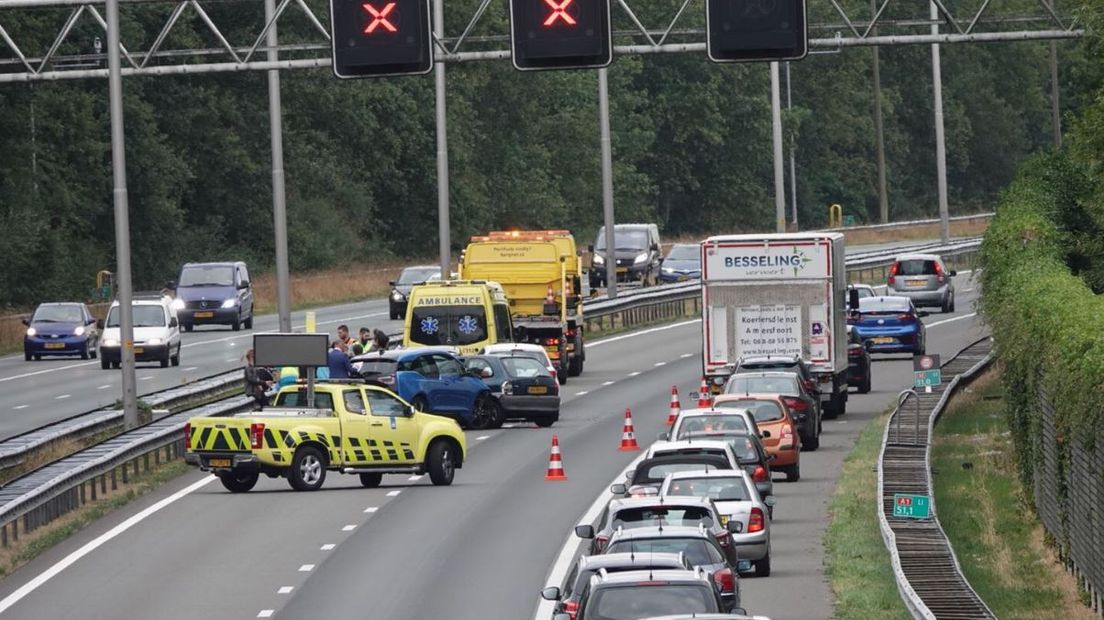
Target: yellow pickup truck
352, 428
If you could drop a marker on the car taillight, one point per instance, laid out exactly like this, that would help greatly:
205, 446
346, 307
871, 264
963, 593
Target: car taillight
787, 432
796, 404
187, 435
571, 333
256, 433
905, 317
725, 580
760, 474
723, 538
939, 275
571, 608
600, 542
892, 273
552, 342
755, 523
854, 351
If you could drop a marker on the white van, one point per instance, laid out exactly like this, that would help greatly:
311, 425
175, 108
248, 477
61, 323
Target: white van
156, 333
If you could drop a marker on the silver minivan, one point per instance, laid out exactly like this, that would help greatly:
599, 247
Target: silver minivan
923, 278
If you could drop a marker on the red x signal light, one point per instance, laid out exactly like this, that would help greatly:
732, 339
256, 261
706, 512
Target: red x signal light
559, 13
379, 18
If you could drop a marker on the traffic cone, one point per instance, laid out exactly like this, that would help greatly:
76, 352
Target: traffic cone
628, 437
675, 406
555, 462
705, 400
550, 301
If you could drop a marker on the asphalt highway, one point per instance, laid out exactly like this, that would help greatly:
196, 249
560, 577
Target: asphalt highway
481, 548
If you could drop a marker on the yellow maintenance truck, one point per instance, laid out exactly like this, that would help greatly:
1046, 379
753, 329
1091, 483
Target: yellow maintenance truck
464, 314
541, 274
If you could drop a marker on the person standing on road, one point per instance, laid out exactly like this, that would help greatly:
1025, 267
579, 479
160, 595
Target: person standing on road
257, 381
338, 361
343, 336
365, 340
380, 340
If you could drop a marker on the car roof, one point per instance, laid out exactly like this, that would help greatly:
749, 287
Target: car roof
214, 264
421, 267
901, 257
648, 577
884, 299
666, 531
681, 458
655, 500
757, 396
767, 373
707, 473
715, 411
51, 304
513, 346
674, 446
706, 617
619, 560
759, 359
401, 355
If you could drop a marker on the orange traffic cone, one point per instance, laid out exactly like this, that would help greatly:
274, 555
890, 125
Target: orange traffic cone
705, 400
555, 462
628, 437
675, 406
550, 301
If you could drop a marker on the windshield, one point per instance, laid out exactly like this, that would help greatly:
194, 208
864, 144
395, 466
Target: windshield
883, 304
711, 423
525, 367
206, 275
58, 314
660, 515
761, 410
656, 473
763, 385
698, 551
448, 325
413, 275
381, 366
636, 601
684, 252
917, 267
625, 240
144, 316
864, 292
718, 489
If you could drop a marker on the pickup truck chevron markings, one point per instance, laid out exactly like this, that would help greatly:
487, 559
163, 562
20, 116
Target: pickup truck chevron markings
355, 429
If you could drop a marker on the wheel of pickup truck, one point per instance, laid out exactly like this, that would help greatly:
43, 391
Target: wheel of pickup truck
441, 462
370, 481
308, 469
239, 483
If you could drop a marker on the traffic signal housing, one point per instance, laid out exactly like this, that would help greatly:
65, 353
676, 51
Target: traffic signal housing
751, 30
560, 34
372, 38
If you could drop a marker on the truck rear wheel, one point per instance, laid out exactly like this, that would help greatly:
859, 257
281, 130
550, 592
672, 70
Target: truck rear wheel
308, 469
441, 462
575, 364
239, 483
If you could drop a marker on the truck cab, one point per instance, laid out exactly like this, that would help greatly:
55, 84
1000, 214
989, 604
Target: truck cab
464, 314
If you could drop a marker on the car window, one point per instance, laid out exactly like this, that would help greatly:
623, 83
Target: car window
684, 252
916, 268
656, 473
732, 489
524, 367
477, 366
448, 367
354, 402
384, 405
376, 366
643, 601
503, 326
448, 325
763, 385
143, 315
761, 410
888, 305
298, 398
698, 551
58, 314
424, 366
207, 275
711, 423
413, 275
244, 273
645, 516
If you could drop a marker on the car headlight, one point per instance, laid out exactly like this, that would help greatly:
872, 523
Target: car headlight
598, 260
507, 389
396, 296
154, 341
79, 331
640, 258
178, 304
668, 270
31, 331
110, 342
230, 303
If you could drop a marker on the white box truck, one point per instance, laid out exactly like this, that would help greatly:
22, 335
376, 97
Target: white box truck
776, 295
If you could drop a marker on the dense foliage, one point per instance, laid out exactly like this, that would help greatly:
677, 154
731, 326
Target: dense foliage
691, 140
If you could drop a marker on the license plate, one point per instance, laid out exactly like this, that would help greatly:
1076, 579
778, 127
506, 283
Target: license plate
138, 350
204, 315
683, 278
917, 283
883, 340
219, 462
55, 345
538, 389
622, 270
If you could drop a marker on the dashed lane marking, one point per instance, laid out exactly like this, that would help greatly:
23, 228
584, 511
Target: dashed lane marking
371, 509
607, 383
327, 547
394, 493
658, 364
583, 393
482, 437
348, 528
306, 568
285, 590
62, 397
266, 613
21, 406
634, 373
414, 478
104, 387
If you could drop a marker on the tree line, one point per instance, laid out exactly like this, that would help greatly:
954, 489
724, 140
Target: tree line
691, 144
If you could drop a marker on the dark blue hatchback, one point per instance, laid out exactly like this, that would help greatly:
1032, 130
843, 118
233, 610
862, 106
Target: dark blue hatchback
60, 329
889, 325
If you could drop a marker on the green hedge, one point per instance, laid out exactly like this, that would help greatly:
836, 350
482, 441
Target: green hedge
1047, 322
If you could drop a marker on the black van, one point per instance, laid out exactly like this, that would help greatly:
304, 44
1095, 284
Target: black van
636, 250
214, 294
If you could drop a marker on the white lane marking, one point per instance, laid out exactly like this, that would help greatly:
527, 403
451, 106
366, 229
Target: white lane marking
414, 478
605, 383
951, 320
567, 552
482, 437
104, 387
658, 364
644, 332
21, 406
327, 547
306, 568
285, 590
348, 528
94, 544
371, 509
146, 378
190, 368
634, 373
62, 397
968, 290
394, 493
583, 393
686, 355
266, 613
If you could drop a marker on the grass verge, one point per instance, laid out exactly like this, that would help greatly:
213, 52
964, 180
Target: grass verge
987, 514
858, 565
29, 546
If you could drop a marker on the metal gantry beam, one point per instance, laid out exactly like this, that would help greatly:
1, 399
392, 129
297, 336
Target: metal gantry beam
674, 33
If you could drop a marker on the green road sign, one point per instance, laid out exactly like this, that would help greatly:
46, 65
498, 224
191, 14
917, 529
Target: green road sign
911, 506
927, 378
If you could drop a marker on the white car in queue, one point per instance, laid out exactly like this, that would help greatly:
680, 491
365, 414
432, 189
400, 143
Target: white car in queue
736, 499
710, 419
704, 447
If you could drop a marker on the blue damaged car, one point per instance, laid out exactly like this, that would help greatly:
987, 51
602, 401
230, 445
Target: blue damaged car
889, 325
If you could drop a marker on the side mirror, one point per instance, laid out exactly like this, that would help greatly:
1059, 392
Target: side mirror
954, 273
584, 531
734, 527
391, 283
618, 489
853, 297
26, 322
590, 248
764, 434
171, 284
244, 284
769, 500
408, 410
90, 321
551, 593
486, 373
173, 322
662, 436
99, 324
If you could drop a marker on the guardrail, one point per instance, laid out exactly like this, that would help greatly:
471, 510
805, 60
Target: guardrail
928, 575
928, 222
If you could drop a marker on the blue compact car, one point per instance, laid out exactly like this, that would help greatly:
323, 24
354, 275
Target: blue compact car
682, 263
434, 381
60, 329
889, 325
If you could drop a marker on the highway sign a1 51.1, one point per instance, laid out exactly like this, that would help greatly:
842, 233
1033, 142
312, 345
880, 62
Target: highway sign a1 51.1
925, 371
911, 506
